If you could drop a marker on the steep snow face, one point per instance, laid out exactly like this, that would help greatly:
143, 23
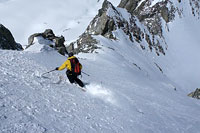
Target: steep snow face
178, 38
65, 17
126, 92
181, 61
183, 40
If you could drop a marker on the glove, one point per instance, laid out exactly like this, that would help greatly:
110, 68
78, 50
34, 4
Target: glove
69, 72
57, 68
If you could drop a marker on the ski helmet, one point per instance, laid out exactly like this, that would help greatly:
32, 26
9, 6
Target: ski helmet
70, 54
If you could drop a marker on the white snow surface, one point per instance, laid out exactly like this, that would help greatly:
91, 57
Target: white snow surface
153, 2
119, 98
125, 92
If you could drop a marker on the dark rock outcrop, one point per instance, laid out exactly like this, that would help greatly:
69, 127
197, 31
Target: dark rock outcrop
143, 9
195, 94
86, 44
195, 5
102, 24
150, 15
49, 35
129, 5
7, 40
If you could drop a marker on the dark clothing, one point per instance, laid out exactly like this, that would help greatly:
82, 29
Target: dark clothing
71, 74
73, 78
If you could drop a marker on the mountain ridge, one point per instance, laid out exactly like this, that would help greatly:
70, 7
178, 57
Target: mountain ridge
148, 15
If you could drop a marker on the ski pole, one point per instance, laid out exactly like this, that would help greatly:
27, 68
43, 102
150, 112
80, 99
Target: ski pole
48, 72
85, 73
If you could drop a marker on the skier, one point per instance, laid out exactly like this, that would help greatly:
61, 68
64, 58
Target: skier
73, 69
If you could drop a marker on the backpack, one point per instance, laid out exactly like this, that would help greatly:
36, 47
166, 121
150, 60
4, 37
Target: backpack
75, 65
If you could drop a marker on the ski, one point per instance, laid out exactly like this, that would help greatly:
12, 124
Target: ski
60, 80
83, 89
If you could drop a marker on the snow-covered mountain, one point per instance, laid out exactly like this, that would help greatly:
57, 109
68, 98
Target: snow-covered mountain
168, 28
142, 57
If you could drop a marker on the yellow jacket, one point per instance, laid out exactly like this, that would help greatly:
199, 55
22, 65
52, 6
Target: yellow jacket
67, 64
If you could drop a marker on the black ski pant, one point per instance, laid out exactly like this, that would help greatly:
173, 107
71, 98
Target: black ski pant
74, 78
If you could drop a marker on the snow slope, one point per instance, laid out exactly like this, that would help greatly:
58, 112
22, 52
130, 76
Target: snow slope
126, 91
120, 96
181, 63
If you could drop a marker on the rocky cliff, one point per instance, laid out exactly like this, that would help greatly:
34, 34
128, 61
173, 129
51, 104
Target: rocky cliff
7, 40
